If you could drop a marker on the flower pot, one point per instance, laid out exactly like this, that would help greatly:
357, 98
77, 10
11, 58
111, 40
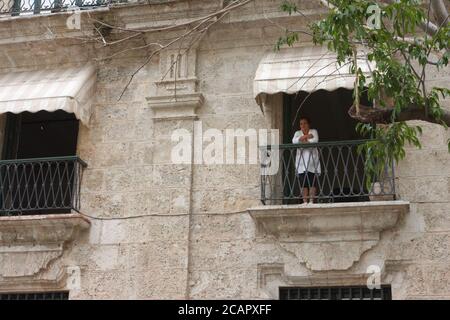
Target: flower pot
378, 193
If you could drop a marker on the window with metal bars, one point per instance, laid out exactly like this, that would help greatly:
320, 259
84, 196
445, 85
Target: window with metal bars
335, 293
39, 172
58, 295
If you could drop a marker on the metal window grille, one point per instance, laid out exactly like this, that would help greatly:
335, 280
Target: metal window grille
336, 172
336, 293
40, 186
61, 295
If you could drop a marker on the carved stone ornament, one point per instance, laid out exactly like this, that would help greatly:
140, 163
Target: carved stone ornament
328, 236
177, 95
30, 244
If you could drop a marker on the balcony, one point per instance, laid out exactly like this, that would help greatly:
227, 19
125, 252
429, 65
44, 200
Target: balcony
40, 186
39, 214
342, 177
26, 7
348, 211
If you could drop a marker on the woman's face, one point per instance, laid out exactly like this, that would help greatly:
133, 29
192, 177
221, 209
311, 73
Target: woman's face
304, 125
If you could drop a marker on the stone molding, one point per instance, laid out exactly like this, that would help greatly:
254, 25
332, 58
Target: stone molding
176, 87
177, 96
273, 276
328, 236
177, 107
29, 244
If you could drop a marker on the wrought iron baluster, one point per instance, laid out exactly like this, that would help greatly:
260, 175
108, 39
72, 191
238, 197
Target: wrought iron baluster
18, 7
342, 176
39, 186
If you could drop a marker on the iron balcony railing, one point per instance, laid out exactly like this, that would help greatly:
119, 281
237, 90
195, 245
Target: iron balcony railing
342, 177
19, 7
40, 186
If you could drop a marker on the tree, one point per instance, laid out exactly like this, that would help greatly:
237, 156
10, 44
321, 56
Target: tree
408, 40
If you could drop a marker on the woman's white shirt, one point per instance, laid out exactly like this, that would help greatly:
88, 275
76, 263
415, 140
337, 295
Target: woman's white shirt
307, 159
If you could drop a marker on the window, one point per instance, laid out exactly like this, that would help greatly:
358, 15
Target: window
59, 295
40, 173
335, 293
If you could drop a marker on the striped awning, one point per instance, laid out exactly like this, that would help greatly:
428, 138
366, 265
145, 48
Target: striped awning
309, 69
69, 89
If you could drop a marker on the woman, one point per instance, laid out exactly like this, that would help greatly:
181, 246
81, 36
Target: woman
307, 163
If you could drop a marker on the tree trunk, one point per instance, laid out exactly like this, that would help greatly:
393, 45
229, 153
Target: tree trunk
440, 11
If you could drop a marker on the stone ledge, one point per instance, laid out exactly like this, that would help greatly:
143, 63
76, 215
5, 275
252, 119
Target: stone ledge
315, 220
39, 229
328, 236
175, 107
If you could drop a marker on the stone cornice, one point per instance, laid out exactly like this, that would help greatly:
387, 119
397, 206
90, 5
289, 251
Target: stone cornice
40, 229
316, 219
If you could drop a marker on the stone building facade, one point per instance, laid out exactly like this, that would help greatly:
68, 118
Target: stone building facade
152, 229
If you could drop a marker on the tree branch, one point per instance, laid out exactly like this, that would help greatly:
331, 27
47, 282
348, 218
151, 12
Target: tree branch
384, 115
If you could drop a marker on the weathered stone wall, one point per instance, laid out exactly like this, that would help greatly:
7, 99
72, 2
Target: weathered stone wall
182, 231
423, 238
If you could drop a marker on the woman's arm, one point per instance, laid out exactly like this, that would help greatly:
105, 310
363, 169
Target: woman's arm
296, 138
315, 138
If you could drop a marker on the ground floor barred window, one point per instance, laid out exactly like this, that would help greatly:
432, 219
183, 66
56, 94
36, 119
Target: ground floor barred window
58, 295
335, 293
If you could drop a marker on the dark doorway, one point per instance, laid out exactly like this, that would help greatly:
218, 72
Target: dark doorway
328, 112
35, 178
40, 135
342, 177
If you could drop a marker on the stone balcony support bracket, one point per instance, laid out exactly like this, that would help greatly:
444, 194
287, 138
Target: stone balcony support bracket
28, 244
328, 236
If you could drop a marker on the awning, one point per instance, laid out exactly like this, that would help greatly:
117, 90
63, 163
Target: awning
69, 89
291, 70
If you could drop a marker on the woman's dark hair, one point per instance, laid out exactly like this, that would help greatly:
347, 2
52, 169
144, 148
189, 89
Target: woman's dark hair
305, 118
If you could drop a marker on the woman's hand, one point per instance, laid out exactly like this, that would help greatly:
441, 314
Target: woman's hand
304, 138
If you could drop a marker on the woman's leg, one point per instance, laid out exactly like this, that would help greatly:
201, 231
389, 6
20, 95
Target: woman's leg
305, 195
313, 190
304, 187
312, 194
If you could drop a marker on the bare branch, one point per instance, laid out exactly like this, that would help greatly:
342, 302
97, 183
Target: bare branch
232, 6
